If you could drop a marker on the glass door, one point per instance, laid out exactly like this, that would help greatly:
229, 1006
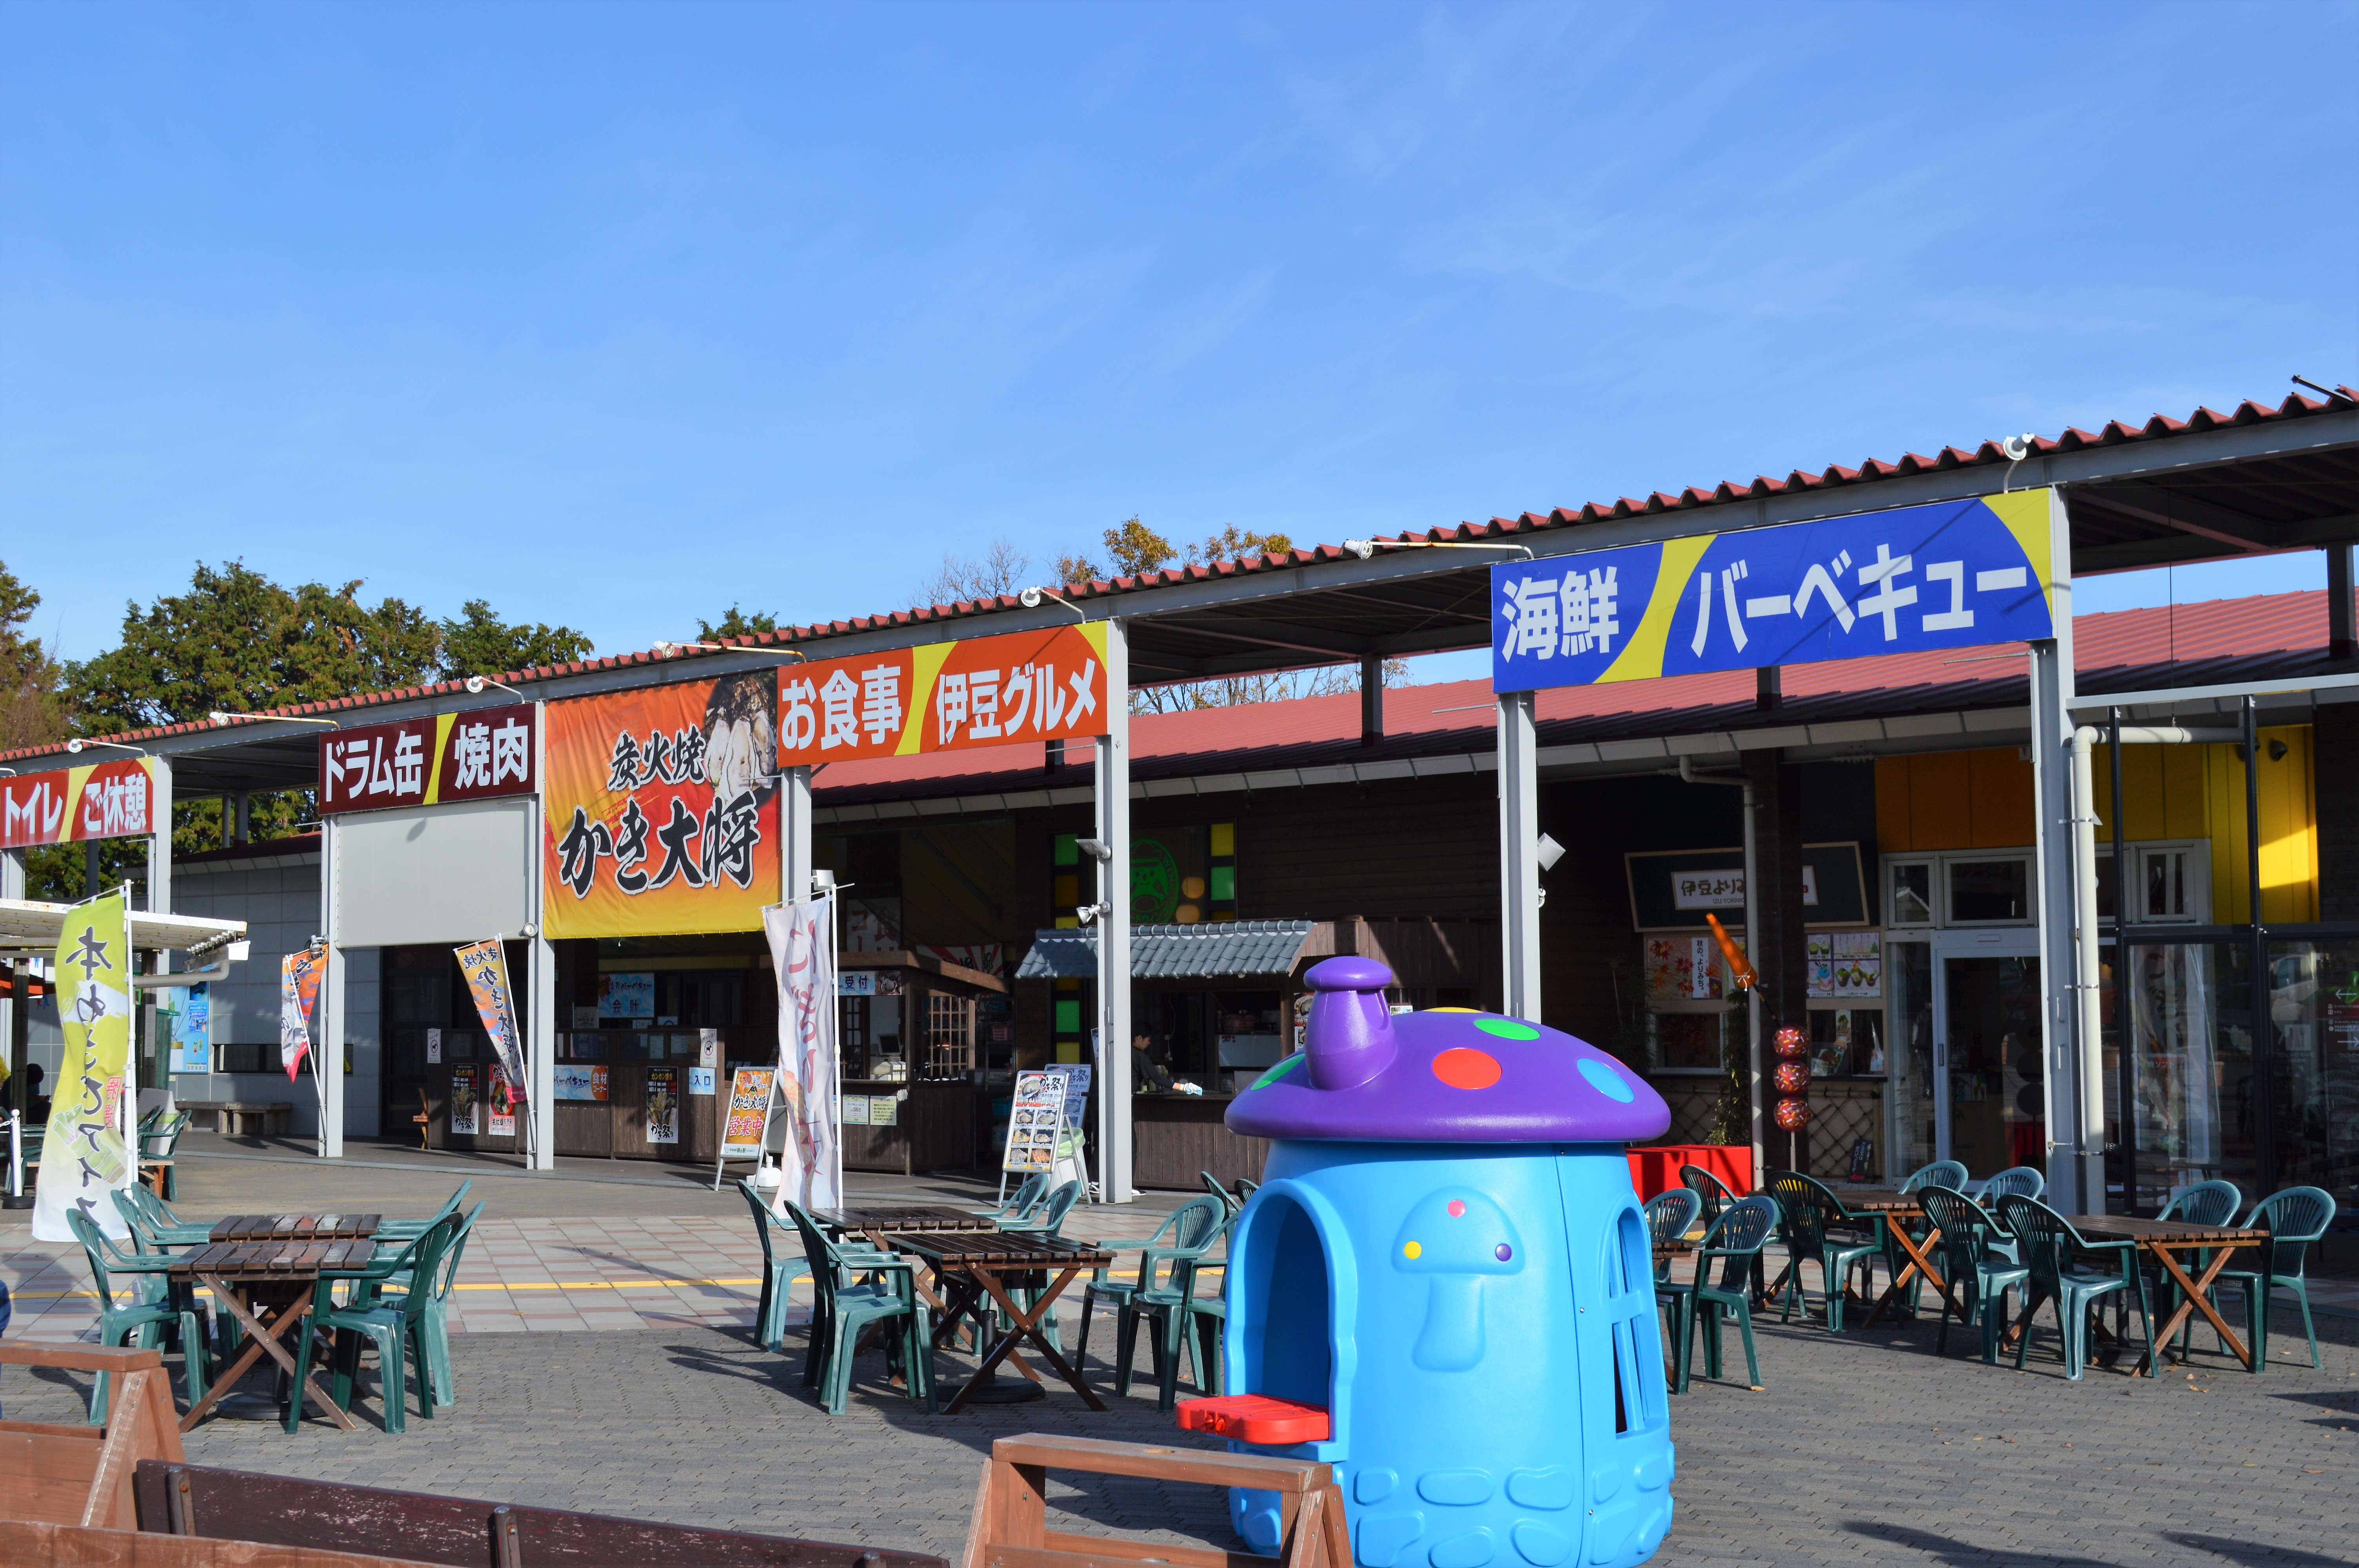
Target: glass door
1909, 1081
1990, 1102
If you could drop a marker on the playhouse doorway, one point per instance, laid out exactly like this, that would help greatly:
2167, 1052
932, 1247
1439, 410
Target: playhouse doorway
1281, 1277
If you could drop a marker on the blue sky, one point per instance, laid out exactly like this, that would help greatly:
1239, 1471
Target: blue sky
616, 315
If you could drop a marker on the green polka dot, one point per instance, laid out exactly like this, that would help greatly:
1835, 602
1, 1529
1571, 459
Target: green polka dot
1279, 1071
1506, 1029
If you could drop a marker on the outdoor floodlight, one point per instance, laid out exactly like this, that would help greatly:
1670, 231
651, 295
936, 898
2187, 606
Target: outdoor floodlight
1095, 848
1029, 598
1364, 548
75, 746
1550, 853
221, 719
2017, 447
1090, 911
476, 685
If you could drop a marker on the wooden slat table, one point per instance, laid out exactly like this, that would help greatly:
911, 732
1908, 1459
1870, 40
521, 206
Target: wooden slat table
972, 1267
911, 1220
277, 1278
2163, 1237
1896, 1208
294, 1227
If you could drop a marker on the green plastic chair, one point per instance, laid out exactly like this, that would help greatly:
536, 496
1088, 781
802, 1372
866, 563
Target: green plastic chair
2016, 1181
1210, 1316
1048, 1218
1812, 1227
1168, 1311
157, 1143
779, 1270
1972, 1265
1950, 1173
395, 1325
1735, 1238
1711, 1192
153, 1225
2294, 1218
1023, 1201
392, 1230
1184, 1233
1229, 1200
884, 1291
2051, 1249
1669, 1216
153, 1308
440, 1382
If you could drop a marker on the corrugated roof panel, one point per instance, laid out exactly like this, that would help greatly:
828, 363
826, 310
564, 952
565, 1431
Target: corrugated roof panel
1214, 950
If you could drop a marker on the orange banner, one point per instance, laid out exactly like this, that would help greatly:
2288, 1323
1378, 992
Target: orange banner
945, 697
660, 813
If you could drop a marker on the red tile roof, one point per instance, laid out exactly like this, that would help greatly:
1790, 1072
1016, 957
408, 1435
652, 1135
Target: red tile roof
2116, 433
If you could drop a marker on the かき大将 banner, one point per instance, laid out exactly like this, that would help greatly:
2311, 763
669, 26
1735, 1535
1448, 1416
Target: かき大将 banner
660, 812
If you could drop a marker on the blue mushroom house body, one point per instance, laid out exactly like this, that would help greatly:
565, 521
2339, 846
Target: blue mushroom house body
1446, 1255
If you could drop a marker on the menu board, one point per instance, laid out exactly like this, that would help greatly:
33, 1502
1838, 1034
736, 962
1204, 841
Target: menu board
748, 1116
1847, 965
1036, 1116
463, 1100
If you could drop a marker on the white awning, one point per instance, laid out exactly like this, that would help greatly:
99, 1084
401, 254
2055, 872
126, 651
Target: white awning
29, 926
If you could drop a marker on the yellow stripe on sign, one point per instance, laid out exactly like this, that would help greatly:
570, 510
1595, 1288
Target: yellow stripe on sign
2026, 513
925, 663
1642, 655
442, 722
76, 777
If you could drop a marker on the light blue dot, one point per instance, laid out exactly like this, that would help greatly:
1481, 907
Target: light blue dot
1606, 1081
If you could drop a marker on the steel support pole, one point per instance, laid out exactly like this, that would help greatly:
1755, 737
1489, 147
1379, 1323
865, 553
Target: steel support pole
2341, 636
1113, 779
540, 1019
2068, 1060
12, 1095
1519, 867
328, 1034
795, 863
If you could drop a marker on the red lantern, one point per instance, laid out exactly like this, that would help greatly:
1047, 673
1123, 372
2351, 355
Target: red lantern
1791, 1078
1792, 1042
1792, 1115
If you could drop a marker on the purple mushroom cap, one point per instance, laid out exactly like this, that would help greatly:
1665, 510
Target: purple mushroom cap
1440, 1078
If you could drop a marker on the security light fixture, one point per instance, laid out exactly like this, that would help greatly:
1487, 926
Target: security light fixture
674, 650
221, 719
1367, 548
477, 684
1549, 853
1030, 598
2017, 447
1095, 848
75, 746
1089, 912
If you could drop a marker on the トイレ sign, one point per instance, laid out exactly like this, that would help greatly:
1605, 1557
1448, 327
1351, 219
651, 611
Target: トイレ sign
945, 697
73, 805
1950, 575
474, 755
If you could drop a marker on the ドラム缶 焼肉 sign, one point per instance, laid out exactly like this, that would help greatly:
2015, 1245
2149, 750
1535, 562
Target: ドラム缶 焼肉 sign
1949, 575
475, 755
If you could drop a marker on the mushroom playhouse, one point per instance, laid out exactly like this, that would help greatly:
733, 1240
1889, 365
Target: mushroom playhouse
1445, 1288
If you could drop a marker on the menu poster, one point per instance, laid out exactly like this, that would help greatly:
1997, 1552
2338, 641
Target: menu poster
1077, 1096
193, 1029
750, 1089
1845, 964
1036, 1115
581, 1081
503, 1107
463, 1101
663, 1105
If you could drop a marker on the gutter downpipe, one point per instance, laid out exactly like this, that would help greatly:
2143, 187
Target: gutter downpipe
1752, 938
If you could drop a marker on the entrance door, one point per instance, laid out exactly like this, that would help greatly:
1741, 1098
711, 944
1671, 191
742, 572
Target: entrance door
1990, 1106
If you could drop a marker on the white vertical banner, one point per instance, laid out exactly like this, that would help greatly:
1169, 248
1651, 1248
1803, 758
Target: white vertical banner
802, 951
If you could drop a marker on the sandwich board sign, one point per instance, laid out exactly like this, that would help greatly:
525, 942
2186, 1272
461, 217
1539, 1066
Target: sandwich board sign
744, 1127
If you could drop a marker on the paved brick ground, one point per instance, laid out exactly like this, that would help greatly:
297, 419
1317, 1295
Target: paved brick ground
1861, 1449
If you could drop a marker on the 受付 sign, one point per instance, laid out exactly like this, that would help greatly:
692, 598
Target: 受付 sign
945, 697
475, 755
1949, 575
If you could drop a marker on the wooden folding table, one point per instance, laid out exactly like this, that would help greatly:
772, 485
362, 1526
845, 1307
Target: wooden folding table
2163, 1238
972, 1267
268, 1287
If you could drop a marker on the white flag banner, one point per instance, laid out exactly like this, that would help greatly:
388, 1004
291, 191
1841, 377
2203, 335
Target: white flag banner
802, 951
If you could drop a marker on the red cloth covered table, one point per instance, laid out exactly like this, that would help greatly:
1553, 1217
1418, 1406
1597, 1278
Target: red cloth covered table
1655, 1167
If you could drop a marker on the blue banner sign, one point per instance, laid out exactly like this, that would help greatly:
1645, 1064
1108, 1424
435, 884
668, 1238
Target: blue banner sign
1947, 575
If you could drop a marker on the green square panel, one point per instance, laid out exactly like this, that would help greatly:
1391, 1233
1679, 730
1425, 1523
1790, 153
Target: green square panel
1225, 884
1068, 854
1068, 1016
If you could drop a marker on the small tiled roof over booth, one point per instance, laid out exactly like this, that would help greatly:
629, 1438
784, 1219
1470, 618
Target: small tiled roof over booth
1212, 950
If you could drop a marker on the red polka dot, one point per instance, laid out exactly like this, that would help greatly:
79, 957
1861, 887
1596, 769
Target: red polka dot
1457, 1208
1463, 1067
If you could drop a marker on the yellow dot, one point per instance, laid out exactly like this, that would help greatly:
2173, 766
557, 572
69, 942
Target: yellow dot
1450, 1009
1411, 1249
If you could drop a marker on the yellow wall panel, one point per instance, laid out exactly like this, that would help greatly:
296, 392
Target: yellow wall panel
2001, 795
1892, 829
1940, 804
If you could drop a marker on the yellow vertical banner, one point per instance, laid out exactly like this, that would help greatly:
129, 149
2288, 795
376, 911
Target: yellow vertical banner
85, 1156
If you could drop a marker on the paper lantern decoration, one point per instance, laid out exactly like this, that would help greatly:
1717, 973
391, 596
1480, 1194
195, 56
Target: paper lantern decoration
1791, 1078
1792, 1115
1792, 1042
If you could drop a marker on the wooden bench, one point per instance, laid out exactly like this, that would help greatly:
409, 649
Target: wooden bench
1009, 1528
238, 1117
82, 1474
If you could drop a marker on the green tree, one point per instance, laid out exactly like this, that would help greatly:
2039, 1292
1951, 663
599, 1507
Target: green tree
736, 623
32, 708
478, 643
